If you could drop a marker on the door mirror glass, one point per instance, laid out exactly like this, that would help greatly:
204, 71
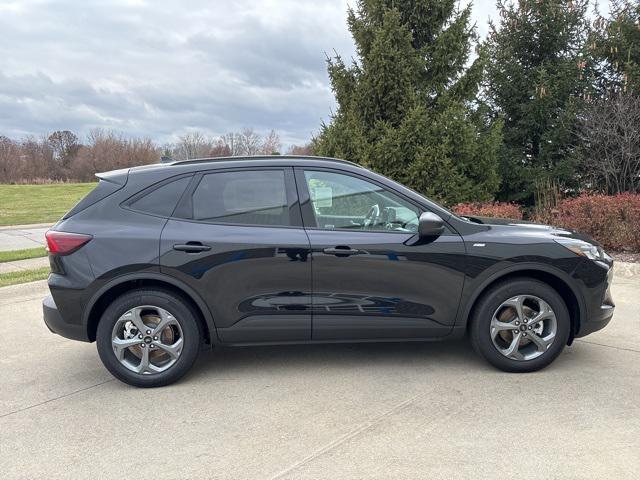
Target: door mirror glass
430, 225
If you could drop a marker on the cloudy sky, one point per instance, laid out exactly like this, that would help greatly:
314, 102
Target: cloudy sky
163, 68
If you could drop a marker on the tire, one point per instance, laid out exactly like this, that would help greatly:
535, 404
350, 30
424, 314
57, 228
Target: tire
176, 357
491, 338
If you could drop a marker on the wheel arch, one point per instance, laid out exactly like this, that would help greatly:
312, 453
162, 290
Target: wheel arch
557, 280
116, 287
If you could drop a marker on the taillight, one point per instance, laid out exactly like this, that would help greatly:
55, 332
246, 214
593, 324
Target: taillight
64, 243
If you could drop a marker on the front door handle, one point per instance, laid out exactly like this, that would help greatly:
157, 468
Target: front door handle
341, 251
192, 247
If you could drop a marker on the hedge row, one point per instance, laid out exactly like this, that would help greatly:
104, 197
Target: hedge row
613, 220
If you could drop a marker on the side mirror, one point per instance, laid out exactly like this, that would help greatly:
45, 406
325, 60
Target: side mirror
430, 225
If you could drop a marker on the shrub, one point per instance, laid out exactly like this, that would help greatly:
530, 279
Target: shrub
612, 220
490, 209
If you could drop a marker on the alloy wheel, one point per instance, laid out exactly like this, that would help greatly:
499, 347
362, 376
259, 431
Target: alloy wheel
147, 339
523, 327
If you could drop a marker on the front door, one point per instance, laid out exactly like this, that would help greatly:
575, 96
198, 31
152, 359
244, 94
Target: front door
237, 239
370, 279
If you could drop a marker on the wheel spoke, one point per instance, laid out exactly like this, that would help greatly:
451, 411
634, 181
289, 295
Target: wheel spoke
120, 346
134, 315
544, 313
542, 343
498, 326
173, 350
166, 319
144, 360
517, 303
512, 351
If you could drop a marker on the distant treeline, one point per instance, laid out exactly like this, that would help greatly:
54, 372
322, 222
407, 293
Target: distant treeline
62, 156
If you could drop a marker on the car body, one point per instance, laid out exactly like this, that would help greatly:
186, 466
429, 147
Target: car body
277, 250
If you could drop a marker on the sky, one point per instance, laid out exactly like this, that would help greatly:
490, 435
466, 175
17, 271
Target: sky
160, 69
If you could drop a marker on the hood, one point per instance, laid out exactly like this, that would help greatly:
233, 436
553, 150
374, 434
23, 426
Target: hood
529, 229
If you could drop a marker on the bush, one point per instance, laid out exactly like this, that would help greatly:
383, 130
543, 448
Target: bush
612, 220
489, 209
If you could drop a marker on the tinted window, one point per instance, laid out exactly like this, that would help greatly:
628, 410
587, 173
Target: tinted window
244, 197
162, 200
343, 201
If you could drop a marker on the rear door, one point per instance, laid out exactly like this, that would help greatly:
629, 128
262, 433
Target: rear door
371, 278
237, 238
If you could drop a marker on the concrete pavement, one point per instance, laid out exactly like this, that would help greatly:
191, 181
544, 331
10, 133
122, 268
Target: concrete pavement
328, 411
22, 265
18, 237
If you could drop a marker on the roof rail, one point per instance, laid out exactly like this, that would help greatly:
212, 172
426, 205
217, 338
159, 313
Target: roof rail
261, 157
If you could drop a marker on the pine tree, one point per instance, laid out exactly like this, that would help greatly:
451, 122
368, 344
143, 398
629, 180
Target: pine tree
616, 41
407, 106
539, 75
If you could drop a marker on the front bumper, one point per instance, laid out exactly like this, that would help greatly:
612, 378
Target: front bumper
54, 322
601, 308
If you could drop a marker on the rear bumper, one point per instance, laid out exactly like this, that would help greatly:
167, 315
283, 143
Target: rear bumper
54, 322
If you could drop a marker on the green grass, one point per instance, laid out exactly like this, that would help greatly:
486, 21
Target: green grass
24, 276
24, 204
22, 254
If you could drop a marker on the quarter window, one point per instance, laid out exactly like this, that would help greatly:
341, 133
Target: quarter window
247, 197
163, 199
346, 202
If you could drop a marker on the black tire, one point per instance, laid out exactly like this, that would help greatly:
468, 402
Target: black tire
480, 329
164, 299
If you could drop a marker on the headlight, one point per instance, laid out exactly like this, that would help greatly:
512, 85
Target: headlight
582, 248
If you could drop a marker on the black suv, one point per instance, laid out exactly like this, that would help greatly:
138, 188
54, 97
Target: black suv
161, 261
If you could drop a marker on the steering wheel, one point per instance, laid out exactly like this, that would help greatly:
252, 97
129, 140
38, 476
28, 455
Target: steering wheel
371, 218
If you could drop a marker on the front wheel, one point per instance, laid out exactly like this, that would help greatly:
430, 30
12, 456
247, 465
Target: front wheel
520, 325
148, 338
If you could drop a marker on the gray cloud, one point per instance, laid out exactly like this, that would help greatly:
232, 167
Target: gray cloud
162, 68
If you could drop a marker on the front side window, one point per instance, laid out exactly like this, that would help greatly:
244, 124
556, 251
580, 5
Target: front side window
248, 197
347, 202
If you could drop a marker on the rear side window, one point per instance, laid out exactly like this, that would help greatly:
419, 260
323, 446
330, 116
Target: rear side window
163, 199
248, 197
102, 191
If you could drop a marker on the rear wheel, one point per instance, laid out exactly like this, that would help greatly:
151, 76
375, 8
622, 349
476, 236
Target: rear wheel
520, 325
148, 338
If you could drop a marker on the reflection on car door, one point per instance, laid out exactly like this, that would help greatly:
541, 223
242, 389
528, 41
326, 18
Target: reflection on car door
369, 281
240, 244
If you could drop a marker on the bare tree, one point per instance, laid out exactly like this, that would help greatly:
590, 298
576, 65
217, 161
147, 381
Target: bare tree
271, 144
306, 149
609, 153
194, 145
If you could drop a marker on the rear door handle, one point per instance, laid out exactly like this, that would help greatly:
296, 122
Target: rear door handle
341, 251
192, 247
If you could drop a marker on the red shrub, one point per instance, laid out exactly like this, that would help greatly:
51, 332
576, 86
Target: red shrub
490, 209
613, 220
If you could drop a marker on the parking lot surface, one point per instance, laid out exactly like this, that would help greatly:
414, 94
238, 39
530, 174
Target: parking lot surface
415, 410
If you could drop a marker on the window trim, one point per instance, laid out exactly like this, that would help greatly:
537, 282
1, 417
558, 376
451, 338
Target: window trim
308, 215
185, 205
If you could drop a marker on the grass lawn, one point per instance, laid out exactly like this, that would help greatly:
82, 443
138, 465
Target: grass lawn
22, 254
25, 276
24, 204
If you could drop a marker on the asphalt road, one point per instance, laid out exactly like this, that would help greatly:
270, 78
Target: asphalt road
335, 411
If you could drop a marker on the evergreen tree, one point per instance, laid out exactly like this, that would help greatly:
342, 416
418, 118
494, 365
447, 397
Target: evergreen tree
539, 75
616, 41
407, 107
